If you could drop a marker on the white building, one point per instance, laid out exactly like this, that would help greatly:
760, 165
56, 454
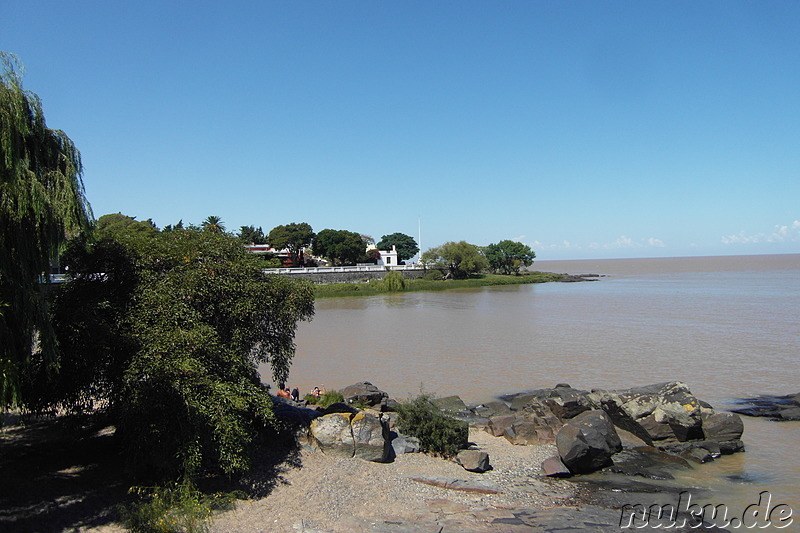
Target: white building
388, 257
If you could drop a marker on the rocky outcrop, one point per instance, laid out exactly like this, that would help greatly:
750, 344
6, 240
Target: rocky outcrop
779, 408
333, 435
663, 413
587, 442
361, 435
668, 416
364, 392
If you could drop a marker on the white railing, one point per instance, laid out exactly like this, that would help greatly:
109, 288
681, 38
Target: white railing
327, 270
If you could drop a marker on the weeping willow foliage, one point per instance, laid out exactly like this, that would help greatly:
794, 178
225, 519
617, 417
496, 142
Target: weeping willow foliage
41, 201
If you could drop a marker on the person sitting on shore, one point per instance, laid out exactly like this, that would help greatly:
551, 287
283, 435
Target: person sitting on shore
316, 392
295, 394
283, 392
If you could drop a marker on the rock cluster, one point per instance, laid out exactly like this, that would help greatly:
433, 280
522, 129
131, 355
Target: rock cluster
664, 417
663, 426
780, 408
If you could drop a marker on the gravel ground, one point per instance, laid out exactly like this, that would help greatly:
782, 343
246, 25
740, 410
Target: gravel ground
332, 494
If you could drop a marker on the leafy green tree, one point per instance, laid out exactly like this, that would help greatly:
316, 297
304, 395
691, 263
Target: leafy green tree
251, 235
170, 227
213, 223
406, 245
509, 256
169, 338
461, 259
41, 201
294, 237
340, 246
115, 225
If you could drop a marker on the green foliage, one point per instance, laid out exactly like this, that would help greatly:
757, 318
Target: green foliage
120, 227
507, 257
170, 337
214, 224
406, 245
41, 201
433, 275
394, 282
252, 235
437, 433
341, 247
293, 237
327, 399
460, 258
175, 508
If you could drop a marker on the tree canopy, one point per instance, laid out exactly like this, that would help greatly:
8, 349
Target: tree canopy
252, 235
116, 225
214, 223
509, 256
461, 259
293, 237
168, 338
41, 201
340, 247
406, 245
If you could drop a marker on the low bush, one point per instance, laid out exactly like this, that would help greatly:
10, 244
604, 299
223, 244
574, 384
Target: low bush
326, 399
178, 507
394, 282
437, 433
433, 275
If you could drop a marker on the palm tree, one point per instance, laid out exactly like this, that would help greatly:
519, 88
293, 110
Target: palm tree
213, 223
41, 202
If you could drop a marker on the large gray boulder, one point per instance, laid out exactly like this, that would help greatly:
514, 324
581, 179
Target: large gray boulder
450, 404
721, 427
659, 414
361, 435
587, 442
370, 437
364, 392
333, 435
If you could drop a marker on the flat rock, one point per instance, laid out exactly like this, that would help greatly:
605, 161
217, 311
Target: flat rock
475, 487
779, 408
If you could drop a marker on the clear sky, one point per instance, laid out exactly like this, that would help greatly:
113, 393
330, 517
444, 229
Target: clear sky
584, 129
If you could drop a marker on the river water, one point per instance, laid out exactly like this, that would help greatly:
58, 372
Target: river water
727, 326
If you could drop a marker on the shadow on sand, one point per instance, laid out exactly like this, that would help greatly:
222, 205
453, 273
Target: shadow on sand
66, 473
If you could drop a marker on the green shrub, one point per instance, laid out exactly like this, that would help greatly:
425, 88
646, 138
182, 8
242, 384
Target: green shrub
433, 275
437, 433
178, 507
394, 282
330, 398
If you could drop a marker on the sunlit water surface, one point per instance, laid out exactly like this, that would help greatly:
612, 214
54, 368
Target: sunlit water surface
729, 327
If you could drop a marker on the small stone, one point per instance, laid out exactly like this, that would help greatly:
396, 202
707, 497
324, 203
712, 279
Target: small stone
554, 467
473, 460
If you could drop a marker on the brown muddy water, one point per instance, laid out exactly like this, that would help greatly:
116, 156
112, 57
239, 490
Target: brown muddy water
727, 326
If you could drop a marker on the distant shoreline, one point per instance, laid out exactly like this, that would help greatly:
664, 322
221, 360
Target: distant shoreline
374, 288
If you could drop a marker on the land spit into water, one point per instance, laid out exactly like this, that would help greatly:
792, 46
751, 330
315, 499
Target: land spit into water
368, 287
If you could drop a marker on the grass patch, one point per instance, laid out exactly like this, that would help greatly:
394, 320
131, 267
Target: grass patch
325, 400
376, 287
178, 507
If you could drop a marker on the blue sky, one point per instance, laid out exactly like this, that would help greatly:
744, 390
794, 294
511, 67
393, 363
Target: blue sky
584, 129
